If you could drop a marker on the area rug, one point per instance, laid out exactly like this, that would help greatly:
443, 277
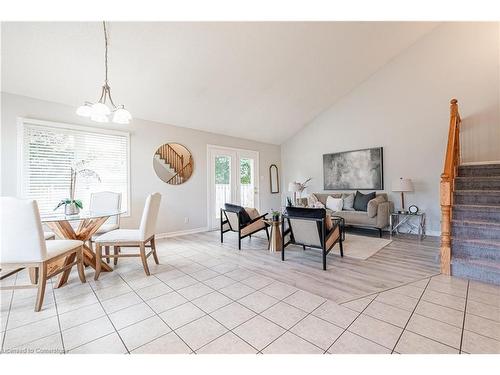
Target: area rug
362, 247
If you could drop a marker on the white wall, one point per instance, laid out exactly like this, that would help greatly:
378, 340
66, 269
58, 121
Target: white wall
180, 201
404, 107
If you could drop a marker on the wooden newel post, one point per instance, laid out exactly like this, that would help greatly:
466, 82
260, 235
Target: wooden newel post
445, 195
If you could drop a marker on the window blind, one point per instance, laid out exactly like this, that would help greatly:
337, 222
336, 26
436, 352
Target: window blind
49, 152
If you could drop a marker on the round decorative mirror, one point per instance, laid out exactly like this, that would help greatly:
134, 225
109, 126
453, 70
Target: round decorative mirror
173, 163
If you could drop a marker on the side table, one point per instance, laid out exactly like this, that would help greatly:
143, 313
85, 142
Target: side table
417, 226
275, 239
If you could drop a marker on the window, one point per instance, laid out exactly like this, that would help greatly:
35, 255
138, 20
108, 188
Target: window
48, 151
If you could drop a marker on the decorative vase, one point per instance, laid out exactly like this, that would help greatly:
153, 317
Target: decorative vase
71, 209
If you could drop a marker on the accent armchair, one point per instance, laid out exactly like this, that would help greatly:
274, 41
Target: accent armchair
311, 227
244, 221
23, 245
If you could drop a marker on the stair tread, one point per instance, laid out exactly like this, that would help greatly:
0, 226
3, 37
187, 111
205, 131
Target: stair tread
476, 207
476, 223
477, 191
494, 177
478, 262
475, 241
486, 165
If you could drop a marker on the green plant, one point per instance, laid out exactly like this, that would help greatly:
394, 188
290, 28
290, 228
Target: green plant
77, 202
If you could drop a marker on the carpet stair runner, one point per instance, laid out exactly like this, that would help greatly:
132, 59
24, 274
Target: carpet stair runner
476, 223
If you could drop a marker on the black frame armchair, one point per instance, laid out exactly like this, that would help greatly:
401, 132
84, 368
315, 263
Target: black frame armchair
232, 220
311, 230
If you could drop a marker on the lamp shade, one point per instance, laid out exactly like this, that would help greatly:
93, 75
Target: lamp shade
402, 184
293, 187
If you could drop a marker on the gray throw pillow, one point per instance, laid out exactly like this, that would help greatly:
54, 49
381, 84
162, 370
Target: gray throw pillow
361, 200
348, 202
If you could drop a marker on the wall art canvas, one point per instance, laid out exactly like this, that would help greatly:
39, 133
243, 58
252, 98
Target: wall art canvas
354, 170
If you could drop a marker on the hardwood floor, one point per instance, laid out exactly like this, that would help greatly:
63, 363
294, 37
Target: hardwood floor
403, 261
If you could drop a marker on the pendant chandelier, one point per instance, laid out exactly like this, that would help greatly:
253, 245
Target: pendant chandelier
99, 111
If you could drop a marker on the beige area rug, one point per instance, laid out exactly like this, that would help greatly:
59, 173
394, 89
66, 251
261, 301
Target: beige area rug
362, 247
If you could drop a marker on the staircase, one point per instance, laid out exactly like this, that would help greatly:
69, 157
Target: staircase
475, 224
175, 164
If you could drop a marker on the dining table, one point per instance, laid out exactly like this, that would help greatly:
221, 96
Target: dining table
77, 227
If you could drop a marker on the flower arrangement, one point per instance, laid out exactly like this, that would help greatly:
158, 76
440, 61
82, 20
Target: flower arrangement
71, 205
302, 186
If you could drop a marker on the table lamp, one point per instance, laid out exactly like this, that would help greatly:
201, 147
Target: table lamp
402, 185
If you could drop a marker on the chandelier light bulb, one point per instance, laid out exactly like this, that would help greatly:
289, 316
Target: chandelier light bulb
121, 116
85, 110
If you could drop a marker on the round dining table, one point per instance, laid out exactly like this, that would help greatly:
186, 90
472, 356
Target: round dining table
77, 227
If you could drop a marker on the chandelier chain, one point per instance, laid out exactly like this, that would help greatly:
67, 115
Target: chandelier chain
105, 52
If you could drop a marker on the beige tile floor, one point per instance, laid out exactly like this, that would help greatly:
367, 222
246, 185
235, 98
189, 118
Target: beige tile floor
199, 301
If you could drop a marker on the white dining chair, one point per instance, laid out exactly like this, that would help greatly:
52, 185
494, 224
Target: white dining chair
106, 201
23, 245
143, 237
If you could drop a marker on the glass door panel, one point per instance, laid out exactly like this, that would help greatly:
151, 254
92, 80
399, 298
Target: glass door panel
247, 184
222, 176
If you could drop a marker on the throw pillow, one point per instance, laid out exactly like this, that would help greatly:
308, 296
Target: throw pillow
361, 200
334, 204
348, 202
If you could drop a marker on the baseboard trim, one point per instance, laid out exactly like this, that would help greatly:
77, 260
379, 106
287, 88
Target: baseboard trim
181, 232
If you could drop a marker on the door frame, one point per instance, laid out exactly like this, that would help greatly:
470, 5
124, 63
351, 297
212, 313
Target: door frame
238, 152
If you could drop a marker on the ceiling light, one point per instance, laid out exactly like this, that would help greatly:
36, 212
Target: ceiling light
99, 111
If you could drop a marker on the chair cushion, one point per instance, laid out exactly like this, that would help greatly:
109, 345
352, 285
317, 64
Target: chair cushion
107, 228
240, 210
56, 247
357, 218
254, 227
361, 200
120, 236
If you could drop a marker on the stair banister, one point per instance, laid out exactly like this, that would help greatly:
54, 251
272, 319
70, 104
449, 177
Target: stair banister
451, 163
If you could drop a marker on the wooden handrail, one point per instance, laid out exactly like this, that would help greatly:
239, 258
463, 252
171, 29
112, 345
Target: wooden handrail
171, 157
185, 171
451, 163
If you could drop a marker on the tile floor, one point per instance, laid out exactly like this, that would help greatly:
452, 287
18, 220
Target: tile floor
198, 301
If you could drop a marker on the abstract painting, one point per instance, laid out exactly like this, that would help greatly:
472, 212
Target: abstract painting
354, 170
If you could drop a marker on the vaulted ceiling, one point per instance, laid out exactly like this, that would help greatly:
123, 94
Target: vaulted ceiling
257, 80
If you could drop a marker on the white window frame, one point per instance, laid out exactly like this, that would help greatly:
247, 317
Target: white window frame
22, 121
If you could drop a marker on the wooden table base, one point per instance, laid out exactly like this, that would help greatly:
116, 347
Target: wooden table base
275, 239
85, 231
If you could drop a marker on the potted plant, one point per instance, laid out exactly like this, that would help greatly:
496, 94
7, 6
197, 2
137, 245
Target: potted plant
276, 215
71, 205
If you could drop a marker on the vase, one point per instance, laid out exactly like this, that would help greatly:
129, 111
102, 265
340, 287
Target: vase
71, 209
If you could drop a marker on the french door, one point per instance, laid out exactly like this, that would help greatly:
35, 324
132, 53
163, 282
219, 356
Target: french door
233, 178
